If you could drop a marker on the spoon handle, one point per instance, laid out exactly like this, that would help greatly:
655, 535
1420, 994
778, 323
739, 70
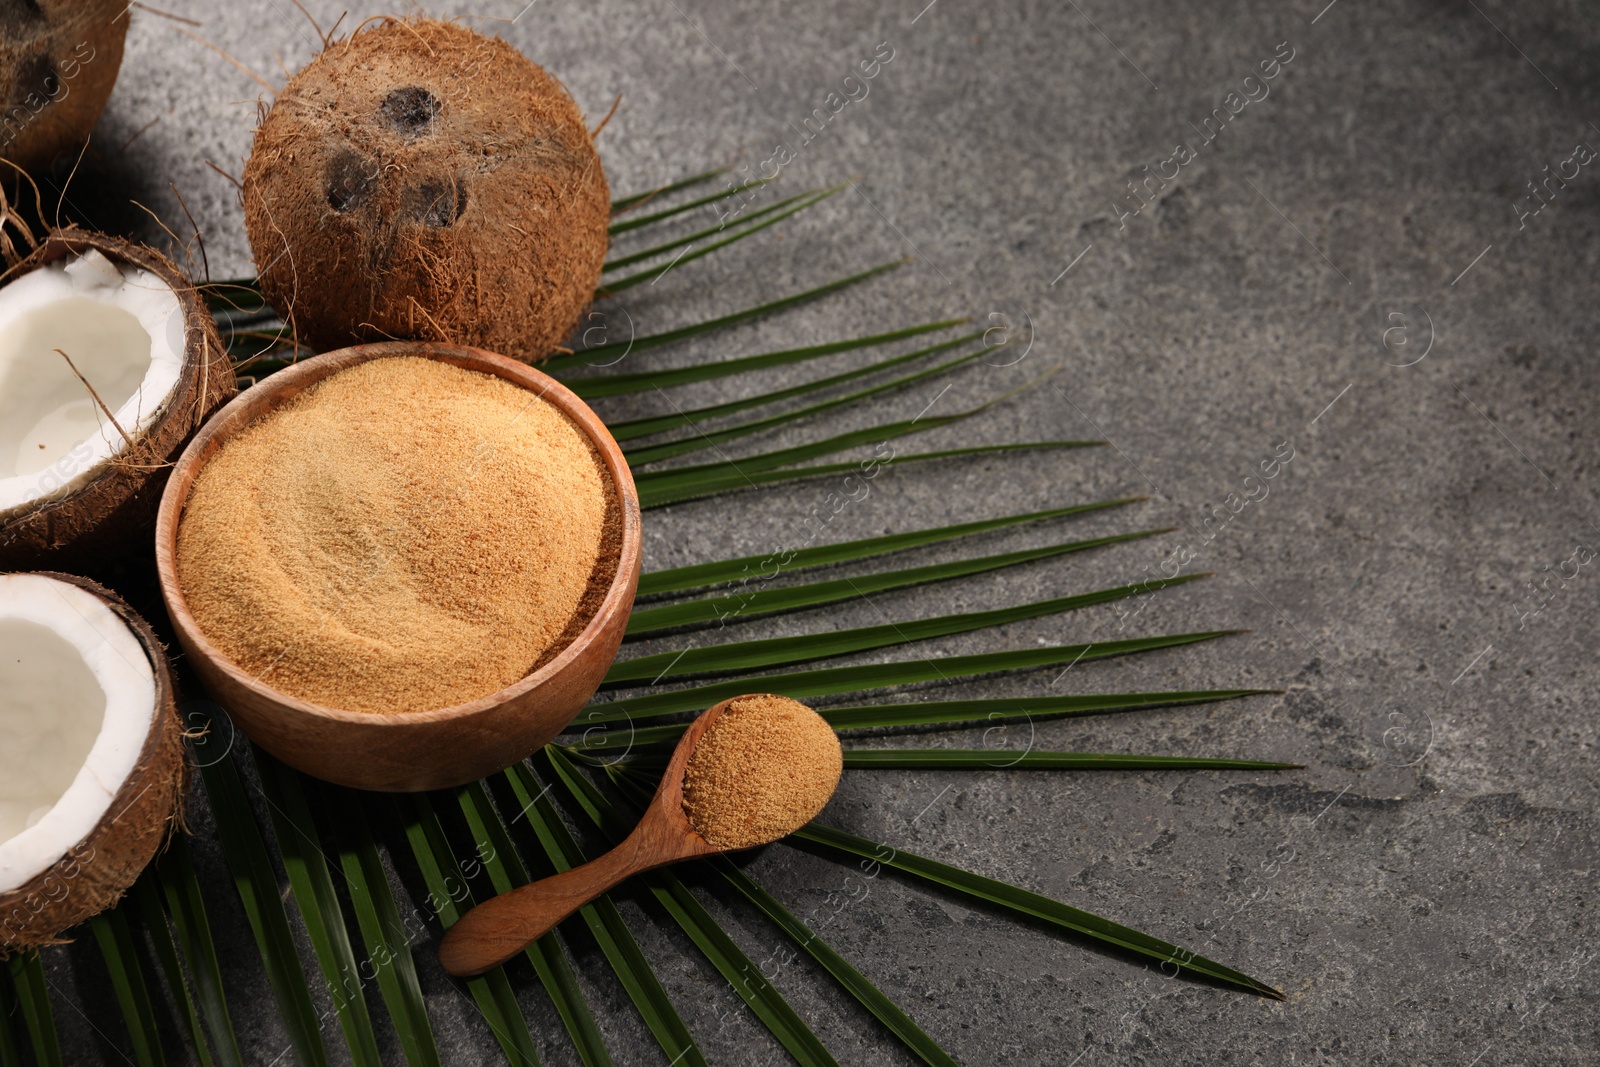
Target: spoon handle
499, 928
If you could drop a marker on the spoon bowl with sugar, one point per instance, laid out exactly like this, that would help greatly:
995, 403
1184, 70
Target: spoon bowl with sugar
748, 771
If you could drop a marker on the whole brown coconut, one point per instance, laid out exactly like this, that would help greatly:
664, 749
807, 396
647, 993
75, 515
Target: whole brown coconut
101, 514
421, 181
144, 810
58, 64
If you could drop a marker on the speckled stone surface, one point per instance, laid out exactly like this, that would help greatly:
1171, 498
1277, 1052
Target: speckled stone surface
1350, 273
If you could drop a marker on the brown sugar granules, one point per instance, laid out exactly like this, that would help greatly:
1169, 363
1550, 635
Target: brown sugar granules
402, 536
764, 768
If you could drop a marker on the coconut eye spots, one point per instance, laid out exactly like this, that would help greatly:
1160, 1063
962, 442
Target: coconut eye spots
17, 15
351, 181
58, 62
410, 111
37, 75
435, 204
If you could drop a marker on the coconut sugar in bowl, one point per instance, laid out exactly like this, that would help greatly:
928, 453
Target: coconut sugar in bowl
401, 566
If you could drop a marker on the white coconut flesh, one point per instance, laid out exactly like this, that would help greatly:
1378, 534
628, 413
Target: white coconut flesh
122, 328
77, 701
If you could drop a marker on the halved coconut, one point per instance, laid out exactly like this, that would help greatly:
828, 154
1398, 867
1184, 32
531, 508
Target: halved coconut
109, 361
58, 64
92, 771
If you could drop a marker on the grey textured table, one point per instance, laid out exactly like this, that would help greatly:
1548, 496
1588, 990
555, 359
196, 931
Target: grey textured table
1351, 267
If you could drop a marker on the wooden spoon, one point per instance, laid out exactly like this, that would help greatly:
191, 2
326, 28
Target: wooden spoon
499, 928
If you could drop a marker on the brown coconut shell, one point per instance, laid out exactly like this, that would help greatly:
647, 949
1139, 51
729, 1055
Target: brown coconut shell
114, 510
420, 181
58, 64
146, 810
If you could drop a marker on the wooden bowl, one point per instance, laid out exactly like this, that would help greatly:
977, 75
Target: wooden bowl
412, 751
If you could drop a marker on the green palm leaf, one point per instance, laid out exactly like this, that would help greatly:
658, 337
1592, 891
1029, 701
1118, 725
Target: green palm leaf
186, 902
741, 973
775, 1014
638, 222
731, 477
989, 759
115, 941
778, 651
790, 598
1006, 710
602, 354
29, 982
850, 978
251, 866
830, 681
994, 759
692, 419
702, 575
605, 923
603, 385
802, 200
842, 971
382, 932
506, 872
639, 456
933, 713
624, 203
10, 1051
660, 482
309, 877
251, 327
492, 991
652, 274
829, 841
242, 295
145, 900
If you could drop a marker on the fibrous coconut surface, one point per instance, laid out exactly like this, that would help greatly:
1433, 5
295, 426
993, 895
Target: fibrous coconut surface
421, 181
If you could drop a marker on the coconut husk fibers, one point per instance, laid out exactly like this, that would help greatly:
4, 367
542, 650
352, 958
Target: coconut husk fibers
420, 181
58, 63
146, 810
402, 536
112, 513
